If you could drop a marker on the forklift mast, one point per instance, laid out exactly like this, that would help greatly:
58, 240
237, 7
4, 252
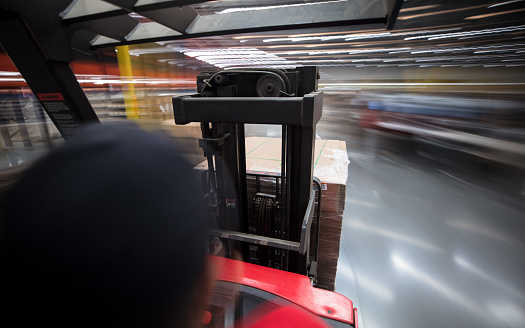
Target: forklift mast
43, 37
270, 228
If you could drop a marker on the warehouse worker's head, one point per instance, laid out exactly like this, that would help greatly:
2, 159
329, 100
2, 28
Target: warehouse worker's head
108, 230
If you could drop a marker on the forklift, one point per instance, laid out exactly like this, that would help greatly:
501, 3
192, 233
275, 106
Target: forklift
271, 228
269, 224
265, 219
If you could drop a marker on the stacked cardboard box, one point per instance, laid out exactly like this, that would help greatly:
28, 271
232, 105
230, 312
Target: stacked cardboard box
263, 156
331, 167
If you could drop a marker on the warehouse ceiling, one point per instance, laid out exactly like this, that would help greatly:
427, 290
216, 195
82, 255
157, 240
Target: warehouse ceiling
427, 33
286, 33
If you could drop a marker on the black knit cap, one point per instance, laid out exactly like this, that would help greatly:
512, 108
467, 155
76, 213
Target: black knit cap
108, 229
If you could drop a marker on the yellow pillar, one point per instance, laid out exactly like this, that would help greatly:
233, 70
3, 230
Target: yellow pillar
128, 88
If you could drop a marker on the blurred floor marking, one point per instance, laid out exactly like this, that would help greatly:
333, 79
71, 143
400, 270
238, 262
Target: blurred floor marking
371, 286
508, 313
362, 203
486, 231
345, 275
460, 180
380, 291
439, 286
344, 269
482, 274
494, 195
356, 224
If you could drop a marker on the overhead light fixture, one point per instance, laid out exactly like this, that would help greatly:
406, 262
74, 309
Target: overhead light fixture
496, 14
504, 3
7, 73
232, 10
468, 33
11, 79
223, 57
404, 10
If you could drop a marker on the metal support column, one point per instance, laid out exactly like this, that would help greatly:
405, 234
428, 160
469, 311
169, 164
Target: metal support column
53, 82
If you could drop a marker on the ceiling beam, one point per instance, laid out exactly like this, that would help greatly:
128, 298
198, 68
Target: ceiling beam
275, 18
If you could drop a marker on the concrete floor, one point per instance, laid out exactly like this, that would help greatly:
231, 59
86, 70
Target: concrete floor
425, 244
431, 237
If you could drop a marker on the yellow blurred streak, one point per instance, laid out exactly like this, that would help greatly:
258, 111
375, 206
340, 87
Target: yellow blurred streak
128, 89
496, 14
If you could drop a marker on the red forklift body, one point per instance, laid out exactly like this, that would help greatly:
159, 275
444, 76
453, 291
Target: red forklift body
292, 287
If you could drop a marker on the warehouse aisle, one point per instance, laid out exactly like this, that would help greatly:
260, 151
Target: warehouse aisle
426, 243
430, 245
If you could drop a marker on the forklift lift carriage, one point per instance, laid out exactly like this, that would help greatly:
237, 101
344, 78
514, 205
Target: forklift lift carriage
282, 220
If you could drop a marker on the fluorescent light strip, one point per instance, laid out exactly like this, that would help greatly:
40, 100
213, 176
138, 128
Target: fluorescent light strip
329, 38
504, 3
266, 56
404, 10
220, 53
237, 56
468, 33
99, 80
351, 37
334, 52
326, 61
148, 51
418, 84
243, 62
495, 14
440, 50
218, 60
231, 10
11, 79
8, 73
137, 81
477, 33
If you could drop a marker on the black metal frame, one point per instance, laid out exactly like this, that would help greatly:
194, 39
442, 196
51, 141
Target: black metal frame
52, 82
287, 18
302, 247
223, 144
